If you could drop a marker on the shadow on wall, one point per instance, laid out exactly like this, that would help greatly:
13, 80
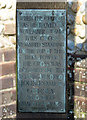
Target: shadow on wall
77, 59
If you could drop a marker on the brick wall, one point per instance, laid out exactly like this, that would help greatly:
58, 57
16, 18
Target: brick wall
77, 76
77, 57
81, 88
7, 59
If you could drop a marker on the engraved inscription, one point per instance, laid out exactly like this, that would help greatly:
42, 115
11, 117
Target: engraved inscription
41, 60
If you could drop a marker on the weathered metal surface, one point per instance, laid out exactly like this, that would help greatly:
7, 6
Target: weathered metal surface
41, 5
41, 60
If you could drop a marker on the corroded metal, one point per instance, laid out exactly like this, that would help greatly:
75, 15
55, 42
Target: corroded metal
41, 5
41, 60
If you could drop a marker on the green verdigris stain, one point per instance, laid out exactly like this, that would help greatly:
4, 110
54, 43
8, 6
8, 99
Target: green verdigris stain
41, 60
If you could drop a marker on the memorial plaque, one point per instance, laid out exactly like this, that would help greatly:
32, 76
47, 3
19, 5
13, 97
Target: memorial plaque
41, 60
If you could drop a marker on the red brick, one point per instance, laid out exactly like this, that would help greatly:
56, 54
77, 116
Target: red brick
79, 90
10, 55
80, 75
7, 82
9, 109
1, 53
8, 68
14, 95
83, 75
10, 29
76, 91
0, 57
80, 102
12, 108
86, 90
81, 99
83, 63
6, 97
76, 75
86, 106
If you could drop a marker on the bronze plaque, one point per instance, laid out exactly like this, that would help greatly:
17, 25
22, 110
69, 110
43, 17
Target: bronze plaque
41, 60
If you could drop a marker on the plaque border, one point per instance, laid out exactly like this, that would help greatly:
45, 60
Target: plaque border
45, 115
41, 5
